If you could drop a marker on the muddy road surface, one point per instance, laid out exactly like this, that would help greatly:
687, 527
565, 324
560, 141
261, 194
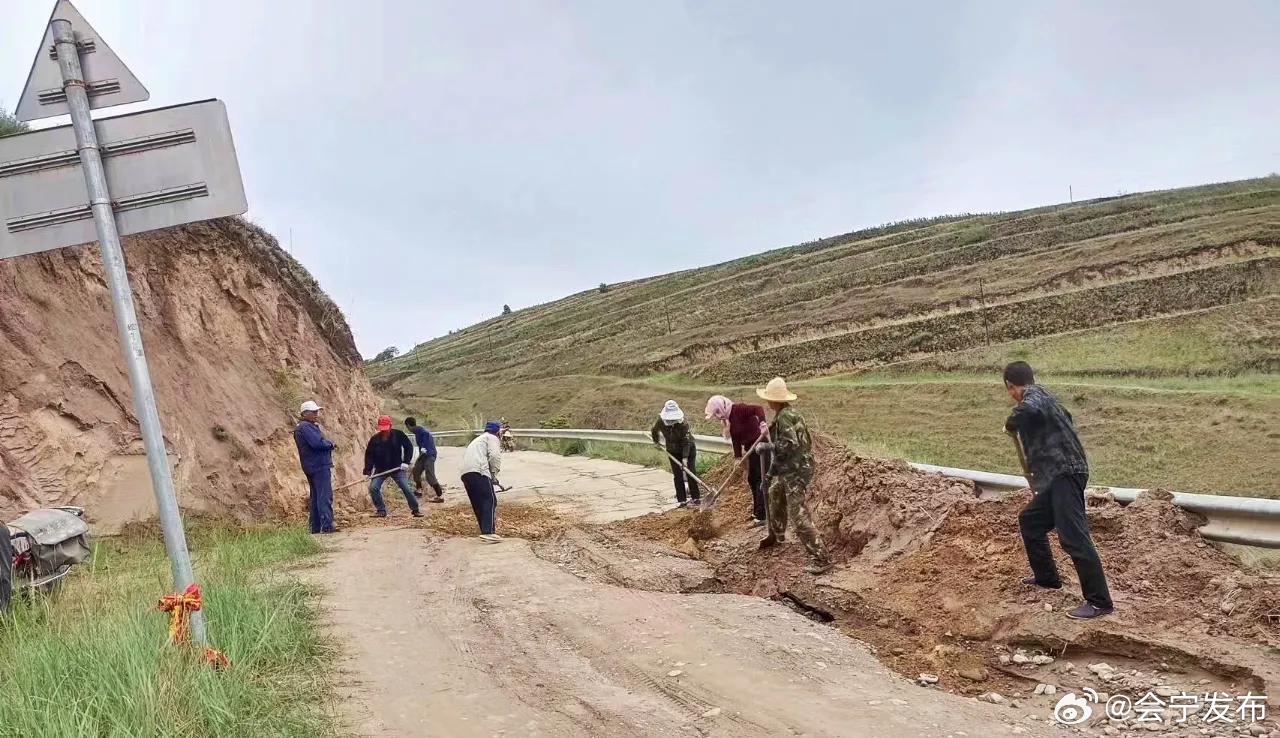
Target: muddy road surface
448, 636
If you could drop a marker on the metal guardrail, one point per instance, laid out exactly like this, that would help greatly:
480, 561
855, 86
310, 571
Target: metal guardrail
1248, 521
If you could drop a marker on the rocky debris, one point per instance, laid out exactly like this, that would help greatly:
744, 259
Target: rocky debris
927, 678
994, 698
690, 548
1021, 658
974, 673
675, 673
1042, 660
713, 712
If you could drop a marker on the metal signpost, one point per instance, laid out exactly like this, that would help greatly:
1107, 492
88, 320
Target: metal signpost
173, 165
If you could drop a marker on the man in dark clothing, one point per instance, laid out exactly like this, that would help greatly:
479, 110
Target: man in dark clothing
1059, 472
678, 436
315, 452
426, 463
389, 451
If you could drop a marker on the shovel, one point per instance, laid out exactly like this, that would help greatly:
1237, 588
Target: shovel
741, 464
714, 491
365, 480
1022, 456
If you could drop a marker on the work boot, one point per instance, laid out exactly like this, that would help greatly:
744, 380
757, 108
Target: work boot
695, 503
437, 498
1089, 611
818, 567
417, 513
1031, 582
381, 514
682, 503
757, 523
417, 493
769, 541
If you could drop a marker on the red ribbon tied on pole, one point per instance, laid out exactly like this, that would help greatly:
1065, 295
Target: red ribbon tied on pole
179, 607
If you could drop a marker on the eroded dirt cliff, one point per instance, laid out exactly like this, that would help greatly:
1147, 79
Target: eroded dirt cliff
237, 334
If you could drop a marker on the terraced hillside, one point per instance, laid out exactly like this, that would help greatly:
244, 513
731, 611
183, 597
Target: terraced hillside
1142, 306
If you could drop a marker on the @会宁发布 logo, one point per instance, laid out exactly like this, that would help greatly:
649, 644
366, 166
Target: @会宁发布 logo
1073, 710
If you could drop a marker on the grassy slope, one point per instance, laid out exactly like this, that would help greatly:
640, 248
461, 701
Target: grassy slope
1155, 316
94, 660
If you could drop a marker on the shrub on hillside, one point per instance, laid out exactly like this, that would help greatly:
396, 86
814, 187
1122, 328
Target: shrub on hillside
558, 422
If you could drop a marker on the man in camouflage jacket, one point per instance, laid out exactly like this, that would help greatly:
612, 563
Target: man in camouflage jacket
789, 476
1058, 473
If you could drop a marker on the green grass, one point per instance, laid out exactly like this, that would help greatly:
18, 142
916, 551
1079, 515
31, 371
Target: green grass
94, 661
1247, 384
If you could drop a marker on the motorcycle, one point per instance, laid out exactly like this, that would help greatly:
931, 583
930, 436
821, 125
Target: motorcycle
508, 441
39, 548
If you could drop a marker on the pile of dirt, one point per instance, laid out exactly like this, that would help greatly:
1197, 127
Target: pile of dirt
515, 520
931, 574
732, 508
1161, 573
877, 508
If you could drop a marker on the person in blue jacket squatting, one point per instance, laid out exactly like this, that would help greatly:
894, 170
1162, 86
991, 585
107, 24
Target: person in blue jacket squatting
315, 452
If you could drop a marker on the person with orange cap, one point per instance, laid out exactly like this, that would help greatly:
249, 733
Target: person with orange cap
387, 455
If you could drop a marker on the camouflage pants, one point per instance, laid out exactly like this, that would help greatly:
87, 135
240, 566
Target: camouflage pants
786, 500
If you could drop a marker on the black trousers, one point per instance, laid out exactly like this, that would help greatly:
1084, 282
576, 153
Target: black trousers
690, 460
757, 470
1061, 506
484, 501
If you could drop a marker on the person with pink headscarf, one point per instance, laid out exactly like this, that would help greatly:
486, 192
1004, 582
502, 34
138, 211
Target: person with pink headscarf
744, 424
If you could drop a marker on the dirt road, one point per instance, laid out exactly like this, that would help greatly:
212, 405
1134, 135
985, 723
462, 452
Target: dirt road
451, 637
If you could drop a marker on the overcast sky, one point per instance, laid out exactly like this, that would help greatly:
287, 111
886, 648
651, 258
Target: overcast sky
437, 159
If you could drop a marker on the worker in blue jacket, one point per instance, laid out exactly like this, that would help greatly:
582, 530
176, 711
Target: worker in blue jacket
425, 465
316, 454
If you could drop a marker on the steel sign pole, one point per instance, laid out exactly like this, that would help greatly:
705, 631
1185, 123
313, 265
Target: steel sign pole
144, 401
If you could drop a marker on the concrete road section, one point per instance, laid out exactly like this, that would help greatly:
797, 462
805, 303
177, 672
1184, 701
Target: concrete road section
591, 490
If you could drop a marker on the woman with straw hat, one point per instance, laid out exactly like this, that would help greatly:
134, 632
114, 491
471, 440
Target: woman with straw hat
678, 438
789, 476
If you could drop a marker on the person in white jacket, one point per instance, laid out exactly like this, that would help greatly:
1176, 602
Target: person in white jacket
480, 466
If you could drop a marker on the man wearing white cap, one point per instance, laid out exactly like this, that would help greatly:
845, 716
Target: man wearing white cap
678, 438
315, 452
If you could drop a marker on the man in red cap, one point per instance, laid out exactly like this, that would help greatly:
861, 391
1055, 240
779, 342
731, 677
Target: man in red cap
388, 455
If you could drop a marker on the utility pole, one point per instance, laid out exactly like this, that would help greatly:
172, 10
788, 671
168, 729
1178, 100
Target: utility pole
982, 300
144, 399
1071, 195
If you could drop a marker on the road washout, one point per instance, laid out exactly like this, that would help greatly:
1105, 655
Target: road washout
929, 575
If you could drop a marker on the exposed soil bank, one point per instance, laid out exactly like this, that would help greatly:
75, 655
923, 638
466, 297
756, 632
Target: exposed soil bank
237, 334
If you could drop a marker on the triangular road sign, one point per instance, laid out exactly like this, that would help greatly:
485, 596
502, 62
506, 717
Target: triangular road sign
108, 80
